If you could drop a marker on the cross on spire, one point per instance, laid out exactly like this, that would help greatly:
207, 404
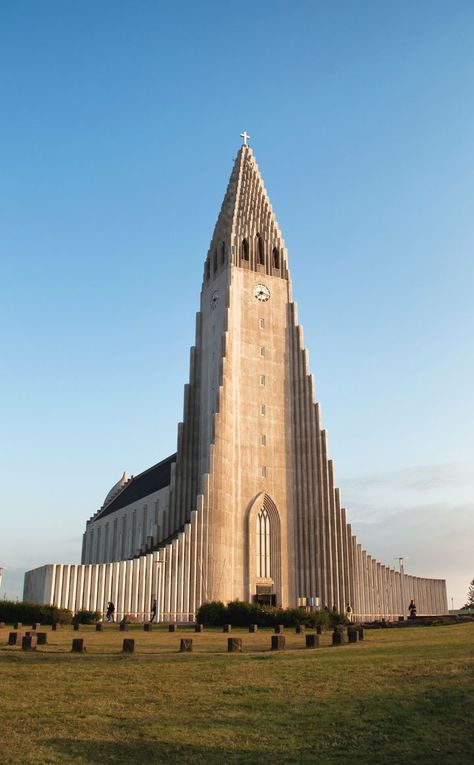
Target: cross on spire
245, 136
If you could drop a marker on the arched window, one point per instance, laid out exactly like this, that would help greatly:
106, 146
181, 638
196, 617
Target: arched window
260, 250
263, 545
276, 258
223, 253
245, 249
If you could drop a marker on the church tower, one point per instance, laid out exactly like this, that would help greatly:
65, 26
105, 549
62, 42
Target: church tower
252, 472
236, 462
248, 508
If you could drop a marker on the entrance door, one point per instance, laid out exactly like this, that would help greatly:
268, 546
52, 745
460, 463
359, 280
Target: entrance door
265, 595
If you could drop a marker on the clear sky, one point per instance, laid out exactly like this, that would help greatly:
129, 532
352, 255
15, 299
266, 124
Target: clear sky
119, 124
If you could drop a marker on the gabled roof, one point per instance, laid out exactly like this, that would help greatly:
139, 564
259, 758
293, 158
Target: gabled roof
140, 486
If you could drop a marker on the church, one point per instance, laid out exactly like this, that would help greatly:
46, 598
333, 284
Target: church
247, 508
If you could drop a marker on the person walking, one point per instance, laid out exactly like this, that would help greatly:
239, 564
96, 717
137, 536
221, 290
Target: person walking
110, 612
153, 612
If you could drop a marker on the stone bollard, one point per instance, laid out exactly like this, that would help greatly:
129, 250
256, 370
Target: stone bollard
99, 627
227, 628
128, 645
171, 627
337, 637
78, 645
76, 627
234, 645
198, 628
360, 630
319, 629
300, 629
122, 626
28, 643
312, 641
253, 628
352, 634
279, 629
13, 638
278, 642
42, 638
17, 626
35, 626
147, 627
186, 645
54, 627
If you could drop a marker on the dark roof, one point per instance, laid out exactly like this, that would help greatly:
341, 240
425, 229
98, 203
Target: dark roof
156, 477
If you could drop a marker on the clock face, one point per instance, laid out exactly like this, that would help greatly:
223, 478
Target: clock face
262, 293
214, 299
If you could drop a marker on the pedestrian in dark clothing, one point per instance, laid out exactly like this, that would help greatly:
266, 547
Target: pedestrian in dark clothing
153, 612
110, 612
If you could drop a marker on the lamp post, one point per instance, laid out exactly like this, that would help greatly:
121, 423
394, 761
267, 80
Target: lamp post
401, 561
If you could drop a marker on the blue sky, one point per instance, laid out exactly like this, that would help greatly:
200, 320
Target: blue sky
119, 124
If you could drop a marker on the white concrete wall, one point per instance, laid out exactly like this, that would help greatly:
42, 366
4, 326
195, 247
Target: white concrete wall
38, 584
125, 532
171, 576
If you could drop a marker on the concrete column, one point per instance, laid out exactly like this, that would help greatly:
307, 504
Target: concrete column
328, 530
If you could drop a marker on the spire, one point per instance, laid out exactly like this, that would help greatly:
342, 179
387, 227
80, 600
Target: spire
247, 228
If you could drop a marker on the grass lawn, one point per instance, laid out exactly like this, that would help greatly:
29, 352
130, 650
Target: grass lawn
401, 695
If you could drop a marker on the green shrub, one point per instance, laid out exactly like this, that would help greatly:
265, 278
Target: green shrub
319, 619
28, 613
336, 618
86, 617
241, 614
212, 614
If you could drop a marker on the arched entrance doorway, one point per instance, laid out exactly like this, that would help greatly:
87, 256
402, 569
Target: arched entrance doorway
264, 551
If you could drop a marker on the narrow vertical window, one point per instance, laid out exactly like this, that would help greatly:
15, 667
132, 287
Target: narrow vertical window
262, 409
262, 323
97, 552
91, 547
264, 472
262, 350
260, 250
263, 545
276, 258
245, 249
263, 440
262, 379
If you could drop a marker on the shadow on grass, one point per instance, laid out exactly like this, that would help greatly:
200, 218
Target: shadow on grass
124, 753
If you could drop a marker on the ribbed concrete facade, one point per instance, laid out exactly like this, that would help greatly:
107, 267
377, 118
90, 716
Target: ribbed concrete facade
133, 585
252, 511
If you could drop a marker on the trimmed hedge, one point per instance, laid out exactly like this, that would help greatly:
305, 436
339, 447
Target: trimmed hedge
242, 614
28, 613
86, 617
